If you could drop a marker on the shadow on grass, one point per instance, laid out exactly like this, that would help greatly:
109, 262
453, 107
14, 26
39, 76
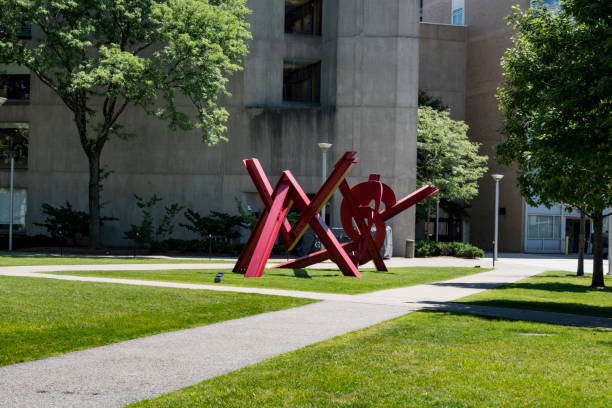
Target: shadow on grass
514, 314
557, 287
572, 308
301, 273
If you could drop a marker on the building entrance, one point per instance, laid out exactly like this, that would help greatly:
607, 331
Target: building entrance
572, 230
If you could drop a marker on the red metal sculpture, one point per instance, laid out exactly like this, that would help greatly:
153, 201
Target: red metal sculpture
360, 212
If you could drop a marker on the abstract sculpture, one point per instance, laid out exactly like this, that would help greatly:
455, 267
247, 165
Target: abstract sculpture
361, 212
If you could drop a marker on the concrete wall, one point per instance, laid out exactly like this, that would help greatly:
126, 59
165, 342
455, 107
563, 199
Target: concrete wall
488, 38
442, 65
376, 94
369, 53
437, 11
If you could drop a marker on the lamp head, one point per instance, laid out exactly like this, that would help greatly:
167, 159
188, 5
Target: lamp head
497, 177
324, 146
2, 100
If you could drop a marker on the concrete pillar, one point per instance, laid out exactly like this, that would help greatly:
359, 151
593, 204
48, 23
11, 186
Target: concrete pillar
372, 52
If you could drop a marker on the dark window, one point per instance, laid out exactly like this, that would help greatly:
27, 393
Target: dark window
303, 16
15, 87
14, 141
25, 32
301, 81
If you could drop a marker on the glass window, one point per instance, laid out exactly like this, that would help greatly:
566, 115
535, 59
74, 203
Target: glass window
14, 82
301, 81
20, 206
545, 3
543, 227
303, 16
15, 87
14, 141
457, 12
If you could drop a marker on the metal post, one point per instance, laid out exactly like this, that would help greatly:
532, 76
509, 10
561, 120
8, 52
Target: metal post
437, 218
324, 147
11, 204
609, 244
497, 178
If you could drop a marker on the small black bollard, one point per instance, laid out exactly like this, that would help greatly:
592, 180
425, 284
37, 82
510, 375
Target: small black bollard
219, 276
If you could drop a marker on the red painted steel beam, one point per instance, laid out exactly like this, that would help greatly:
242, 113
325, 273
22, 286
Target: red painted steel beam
408, 201
269, 232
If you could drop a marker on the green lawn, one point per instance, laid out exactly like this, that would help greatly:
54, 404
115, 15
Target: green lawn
556, 291
33, 260
330, 281
44, 317
425, 359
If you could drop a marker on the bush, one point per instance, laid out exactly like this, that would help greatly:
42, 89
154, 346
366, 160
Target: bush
424, 248
65, 222
146, 233
216, 224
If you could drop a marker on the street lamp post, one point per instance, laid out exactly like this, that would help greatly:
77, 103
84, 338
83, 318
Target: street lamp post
609, 244
497, 178
324, 148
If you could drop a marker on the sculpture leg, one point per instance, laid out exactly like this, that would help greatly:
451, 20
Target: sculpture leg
269, 232
247, 252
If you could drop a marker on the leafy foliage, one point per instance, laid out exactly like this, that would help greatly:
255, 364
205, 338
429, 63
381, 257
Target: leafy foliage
446, 158
216, 224
100, 56
556, 103
425, 248
145, 232
65, 222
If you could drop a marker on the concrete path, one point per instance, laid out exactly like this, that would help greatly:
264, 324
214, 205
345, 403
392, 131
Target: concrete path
565, 319
113, 375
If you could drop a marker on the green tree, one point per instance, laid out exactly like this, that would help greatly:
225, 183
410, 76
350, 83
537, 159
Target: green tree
446, 158
556, 102
100, 56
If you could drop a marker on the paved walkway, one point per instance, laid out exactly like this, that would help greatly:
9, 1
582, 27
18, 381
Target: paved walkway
120, 373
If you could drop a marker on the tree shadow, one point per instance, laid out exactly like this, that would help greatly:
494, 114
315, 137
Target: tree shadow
571, 308
557, 287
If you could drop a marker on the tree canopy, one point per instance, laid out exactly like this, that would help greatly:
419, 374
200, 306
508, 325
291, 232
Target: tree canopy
446, 158
556, 103
171, 58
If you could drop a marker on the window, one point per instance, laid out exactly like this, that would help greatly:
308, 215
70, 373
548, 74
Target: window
545, 3
303, 16
14, 82
301, 81
20, 206
458, 7
544, 227
14, 141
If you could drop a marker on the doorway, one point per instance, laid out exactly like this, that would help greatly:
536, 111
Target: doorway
572, 230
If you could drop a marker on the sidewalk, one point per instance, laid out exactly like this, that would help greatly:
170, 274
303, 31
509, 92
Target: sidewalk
114, 375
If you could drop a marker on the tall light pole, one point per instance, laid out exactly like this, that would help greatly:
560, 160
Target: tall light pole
324, 148
497, 178
10, 248
609, 244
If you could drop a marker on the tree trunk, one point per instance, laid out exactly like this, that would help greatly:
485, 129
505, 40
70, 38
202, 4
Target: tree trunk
94, 199
581, 244
598, 277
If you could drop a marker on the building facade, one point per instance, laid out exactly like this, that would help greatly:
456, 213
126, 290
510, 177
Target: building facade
337, 71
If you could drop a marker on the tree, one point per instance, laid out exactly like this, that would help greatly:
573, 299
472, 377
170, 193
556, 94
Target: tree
100, 56
556, 103
446, 158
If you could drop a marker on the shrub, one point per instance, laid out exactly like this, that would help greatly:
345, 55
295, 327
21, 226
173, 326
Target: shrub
65, 222
216, 224
424, 248
146, 233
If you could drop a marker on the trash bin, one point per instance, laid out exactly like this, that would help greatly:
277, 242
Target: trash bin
410, 248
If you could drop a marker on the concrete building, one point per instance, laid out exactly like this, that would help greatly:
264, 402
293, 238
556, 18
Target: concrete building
345, 72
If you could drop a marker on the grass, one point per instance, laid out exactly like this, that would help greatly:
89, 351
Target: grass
33, 260
425, 359
329, 281
45, 317
556, 291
